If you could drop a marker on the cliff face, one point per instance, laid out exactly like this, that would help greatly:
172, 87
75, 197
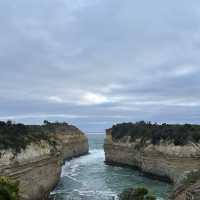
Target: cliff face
190, 193
164, 160
189, 187
73, 145
38, 166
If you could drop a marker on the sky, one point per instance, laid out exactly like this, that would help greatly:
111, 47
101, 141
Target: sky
94, 63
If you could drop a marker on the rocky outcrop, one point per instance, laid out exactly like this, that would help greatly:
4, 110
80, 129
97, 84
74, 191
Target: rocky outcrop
190, 193
136, 194
189, 187
164, 160
38, 166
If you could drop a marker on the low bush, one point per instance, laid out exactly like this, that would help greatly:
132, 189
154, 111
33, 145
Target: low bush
18, 136
140, 193
9, 189
176, 133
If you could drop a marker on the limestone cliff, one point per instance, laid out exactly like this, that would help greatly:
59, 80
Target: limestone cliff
38, 165
164, 160
189, 187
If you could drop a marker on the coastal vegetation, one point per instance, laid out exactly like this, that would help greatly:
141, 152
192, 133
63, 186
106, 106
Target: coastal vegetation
9, 189
33, 155
155, 133
140, 193
18, 136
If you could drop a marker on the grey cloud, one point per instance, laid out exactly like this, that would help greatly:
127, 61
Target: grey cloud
138, 59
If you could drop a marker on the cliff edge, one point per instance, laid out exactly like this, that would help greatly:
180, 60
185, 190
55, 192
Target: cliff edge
146, 148
34, 157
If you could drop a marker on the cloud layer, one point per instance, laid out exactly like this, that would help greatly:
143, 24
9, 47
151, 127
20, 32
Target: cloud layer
96, 62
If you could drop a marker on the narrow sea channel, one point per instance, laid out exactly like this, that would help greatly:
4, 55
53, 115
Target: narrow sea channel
88, 178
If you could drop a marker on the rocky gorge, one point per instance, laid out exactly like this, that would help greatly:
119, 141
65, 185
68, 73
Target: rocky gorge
164, 160
37, 165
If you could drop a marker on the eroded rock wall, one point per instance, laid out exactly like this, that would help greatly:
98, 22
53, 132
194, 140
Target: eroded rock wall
165, 161
38, 167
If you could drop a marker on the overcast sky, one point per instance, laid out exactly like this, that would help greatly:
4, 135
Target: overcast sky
98, 62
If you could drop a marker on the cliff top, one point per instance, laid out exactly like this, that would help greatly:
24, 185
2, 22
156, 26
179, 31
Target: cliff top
173, 133
17, 136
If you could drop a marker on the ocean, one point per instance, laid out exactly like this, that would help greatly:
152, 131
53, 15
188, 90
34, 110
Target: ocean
89, 178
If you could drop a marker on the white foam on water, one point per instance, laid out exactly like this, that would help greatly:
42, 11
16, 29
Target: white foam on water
59, 192
64, 168
72, 167
87, 193
96, 193
76, 180
82, 171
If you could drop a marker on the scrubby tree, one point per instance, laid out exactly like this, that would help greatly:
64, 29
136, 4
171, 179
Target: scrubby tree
176, 133
9, 189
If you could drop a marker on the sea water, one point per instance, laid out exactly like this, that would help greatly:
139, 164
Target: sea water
89, 178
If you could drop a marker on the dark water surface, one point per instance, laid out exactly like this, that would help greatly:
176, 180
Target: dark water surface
88, 178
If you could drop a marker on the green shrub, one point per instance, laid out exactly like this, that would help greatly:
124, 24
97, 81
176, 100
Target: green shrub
140, 193
18, 136
150, 197
9, 189
176, 133
127, 194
